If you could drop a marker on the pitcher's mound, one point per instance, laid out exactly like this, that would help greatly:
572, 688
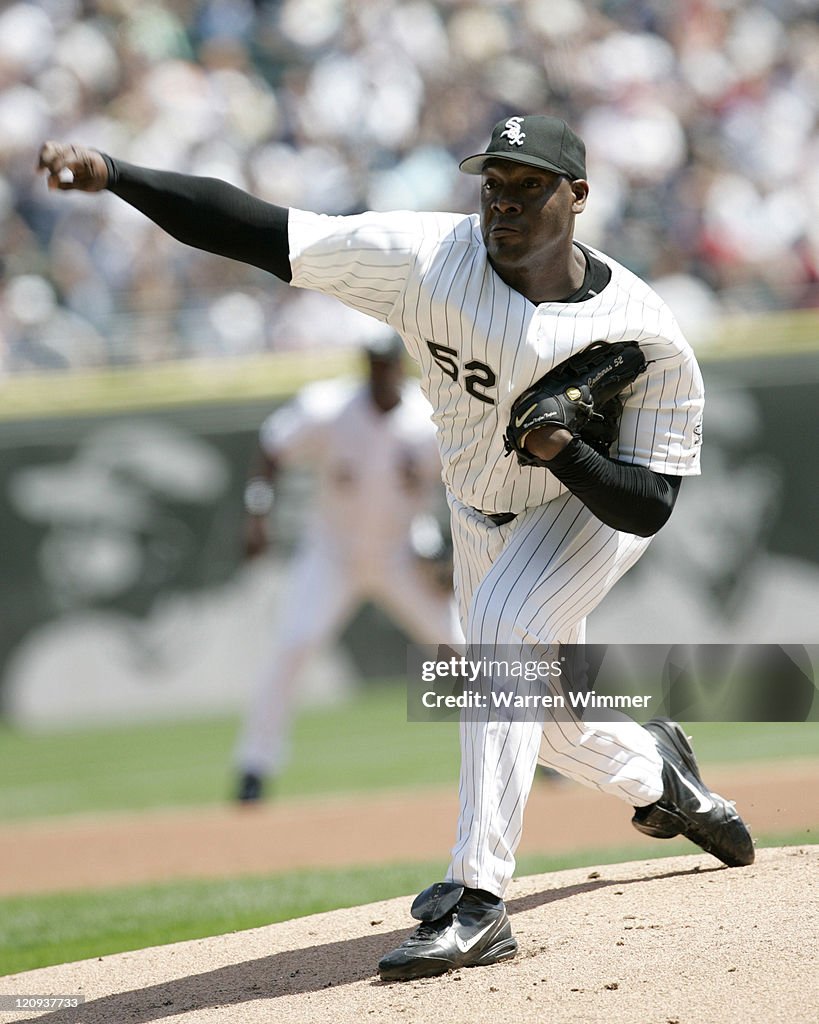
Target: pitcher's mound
678, 940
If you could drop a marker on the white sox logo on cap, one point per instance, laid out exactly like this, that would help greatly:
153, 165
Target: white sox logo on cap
547, 142
514, 131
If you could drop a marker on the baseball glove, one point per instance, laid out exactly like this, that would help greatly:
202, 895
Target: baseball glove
580, 394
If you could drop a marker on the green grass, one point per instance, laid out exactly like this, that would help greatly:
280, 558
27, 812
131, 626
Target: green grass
42, 930
726, 742
61, 928
365, 744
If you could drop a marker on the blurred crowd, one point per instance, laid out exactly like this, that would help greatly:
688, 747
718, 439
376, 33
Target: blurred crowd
700, 118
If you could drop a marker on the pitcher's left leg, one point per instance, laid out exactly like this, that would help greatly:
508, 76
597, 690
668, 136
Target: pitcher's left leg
538, 580
556, 566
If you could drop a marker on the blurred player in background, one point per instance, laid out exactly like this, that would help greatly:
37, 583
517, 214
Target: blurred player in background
372, 534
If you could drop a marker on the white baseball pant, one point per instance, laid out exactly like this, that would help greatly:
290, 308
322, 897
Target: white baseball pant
323, 589
534, 581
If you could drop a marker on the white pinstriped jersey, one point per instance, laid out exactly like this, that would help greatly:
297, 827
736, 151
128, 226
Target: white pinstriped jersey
328, 426
480, 343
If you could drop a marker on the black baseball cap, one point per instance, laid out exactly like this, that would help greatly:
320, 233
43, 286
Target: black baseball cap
537, 140
385, 346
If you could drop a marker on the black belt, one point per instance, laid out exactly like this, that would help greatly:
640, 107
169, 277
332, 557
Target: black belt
499, 518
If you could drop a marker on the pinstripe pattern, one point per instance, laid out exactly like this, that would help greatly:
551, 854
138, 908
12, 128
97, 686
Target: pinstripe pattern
479, 344
534, 581
427, 275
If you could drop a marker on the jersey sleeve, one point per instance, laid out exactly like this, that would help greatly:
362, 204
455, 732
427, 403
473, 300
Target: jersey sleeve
363, 260
661, 425
296, 431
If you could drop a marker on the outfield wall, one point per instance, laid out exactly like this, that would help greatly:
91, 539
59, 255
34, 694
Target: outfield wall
124, 593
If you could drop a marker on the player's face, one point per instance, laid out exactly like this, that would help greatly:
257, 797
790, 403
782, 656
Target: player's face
386, 377
527, 214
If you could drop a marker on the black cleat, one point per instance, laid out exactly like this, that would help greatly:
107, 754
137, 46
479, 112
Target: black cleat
688, 807
459, 928
251, 787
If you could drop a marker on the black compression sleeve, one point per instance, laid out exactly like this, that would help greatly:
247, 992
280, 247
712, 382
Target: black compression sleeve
208, 214
628, 498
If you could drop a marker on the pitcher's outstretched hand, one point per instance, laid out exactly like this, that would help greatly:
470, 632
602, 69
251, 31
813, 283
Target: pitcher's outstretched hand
73, 167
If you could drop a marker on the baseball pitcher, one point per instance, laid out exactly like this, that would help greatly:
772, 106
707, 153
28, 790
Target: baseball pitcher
493, 306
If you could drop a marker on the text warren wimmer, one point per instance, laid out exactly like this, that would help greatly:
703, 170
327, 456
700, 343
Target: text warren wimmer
467, 671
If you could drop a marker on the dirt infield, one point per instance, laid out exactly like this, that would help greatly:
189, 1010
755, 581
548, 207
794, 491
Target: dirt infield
218, 842
675, 941
213, 842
